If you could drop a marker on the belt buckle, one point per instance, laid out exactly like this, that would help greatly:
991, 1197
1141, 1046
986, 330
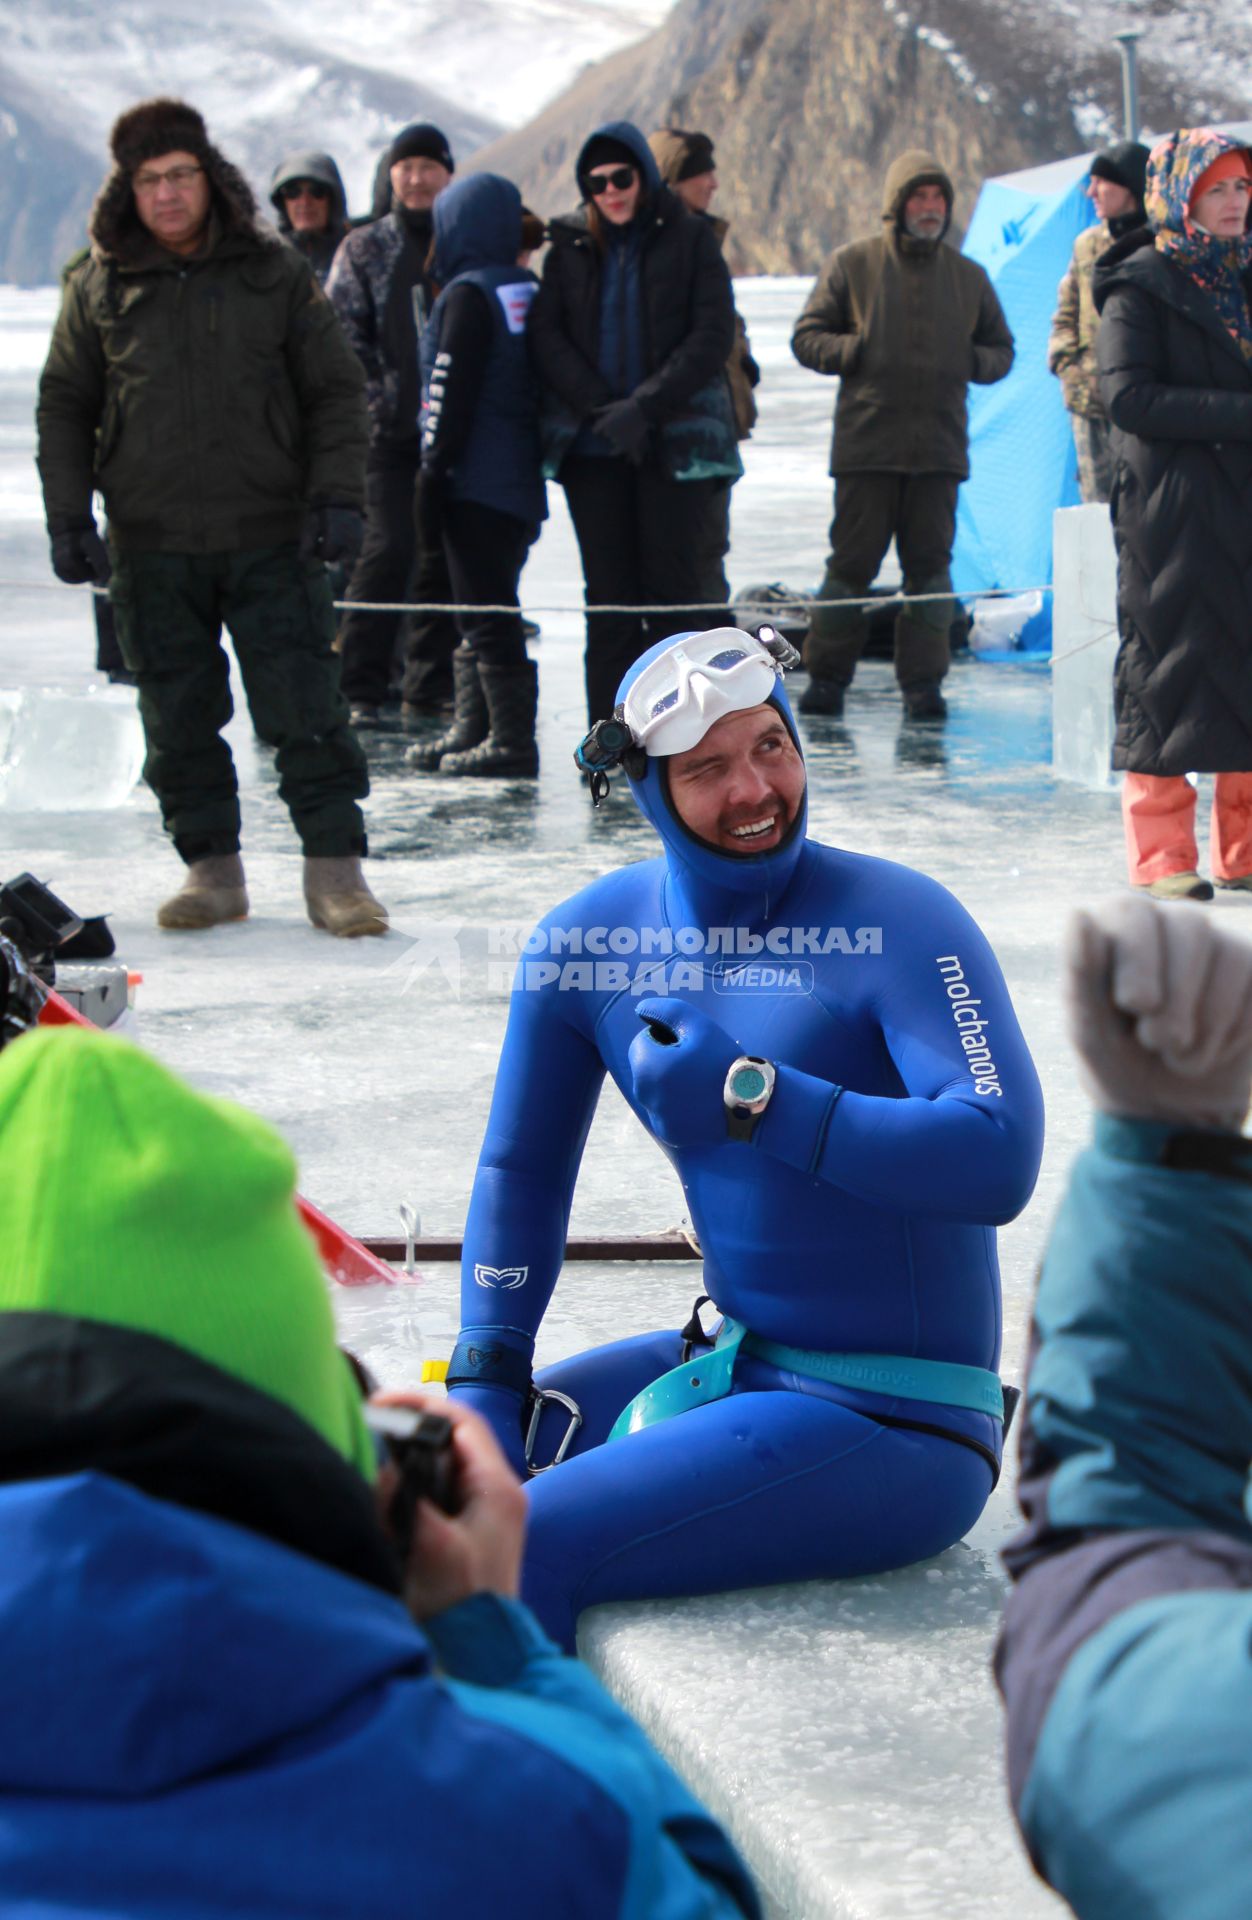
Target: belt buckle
540, 1397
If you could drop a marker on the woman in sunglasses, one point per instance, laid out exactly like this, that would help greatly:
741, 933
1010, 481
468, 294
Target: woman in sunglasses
307, 194
630, 333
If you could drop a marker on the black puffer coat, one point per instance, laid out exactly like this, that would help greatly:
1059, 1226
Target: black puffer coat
688, 332
1179, 393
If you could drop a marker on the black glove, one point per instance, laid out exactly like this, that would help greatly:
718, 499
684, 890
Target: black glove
333, 534
80, 555
622, 424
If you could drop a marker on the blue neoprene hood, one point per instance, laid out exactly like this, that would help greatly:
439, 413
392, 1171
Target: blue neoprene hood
691, 859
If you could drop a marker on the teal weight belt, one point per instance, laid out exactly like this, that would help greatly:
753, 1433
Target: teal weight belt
709, 1374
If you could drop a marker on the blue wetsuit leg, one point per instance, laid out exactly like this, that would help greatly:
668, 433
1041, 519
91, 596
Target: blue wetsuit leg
763, 1486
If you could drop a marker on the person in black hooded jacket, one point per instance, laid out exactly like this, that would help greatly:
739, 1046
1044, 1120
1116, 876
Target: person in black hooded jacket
306, 192
1175, 357
630, 333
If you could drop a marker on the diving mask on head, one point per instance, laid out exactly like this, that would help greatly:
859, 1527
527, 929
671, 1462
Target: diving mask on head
670, 707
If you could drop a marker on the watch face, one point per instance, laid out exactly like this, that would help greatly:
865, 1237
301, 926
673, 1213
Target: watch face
748, 1084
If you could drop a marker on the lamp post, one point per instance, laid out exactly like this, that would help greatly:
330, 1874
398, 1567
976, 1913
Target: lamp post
1127, 47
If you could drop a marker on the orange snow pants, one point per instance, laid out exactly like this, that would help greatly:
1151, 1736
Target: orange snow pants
1159, 818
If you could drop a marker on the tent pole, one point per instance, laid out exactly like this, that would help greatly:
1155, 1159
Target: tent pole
1126, 46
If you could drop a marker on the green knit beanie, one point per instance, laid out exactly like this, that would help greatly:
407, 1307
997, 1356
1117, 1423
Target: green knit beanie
128, 1198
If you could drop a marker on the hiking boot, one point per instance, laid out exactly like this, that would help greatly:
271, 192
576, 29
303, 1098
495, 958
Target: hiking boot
367, 716
925, 702
823, 696
509, 751
1178, 886
1239, 883
338, 898
212, 892
470, 721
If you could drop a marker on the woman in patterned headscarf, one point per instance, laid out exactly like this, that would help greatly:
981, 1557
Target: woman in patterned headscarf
1175, 355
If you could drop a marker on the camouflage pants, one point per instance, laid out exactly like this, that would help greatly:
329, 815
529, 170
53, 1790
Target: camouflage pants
1093, 439
171, 608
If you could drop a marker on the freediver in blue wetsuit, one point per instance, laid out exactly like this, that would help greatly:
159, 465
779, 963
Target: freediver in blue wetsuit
824, 1046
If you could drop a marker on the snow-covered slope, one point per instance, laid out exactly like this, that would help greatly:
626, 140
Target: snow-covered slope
269, 77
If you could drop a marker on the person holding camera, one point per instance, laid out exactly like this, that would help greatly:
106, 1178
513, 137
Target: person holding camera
1125, 1657
227, 1692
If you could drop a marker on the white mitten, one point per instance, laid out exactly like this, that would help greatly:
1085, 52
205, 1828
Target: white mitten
1160, 1012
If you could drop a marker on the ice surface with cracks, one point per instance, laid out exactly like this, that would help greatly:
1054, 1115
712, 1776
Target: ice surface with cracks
848, 1732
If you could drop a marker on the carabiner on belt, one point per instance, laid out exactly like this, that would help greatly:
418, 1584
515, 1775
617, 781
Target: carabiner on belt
541, 1397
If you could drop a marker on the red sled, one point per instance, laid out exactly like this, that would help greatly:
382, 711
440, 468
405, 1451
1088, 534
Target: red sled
344, 1258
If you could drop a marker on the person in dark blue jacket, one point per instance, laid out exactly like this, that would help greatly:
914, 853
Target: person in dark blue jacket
1125, 1658
824, 1047
630, 333
481, 488
224, 1694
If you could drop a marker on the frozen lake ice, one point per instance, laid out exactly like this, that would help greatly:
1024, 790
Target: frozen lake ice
848, 1732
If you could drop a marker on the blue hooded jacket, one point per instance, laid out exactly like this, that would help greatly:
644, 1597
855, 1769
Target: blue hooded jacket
478, 236
197, 1722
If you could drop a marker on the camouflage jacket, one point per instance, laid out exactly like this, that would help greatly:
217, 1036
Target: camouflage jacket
1072, 340
379, 287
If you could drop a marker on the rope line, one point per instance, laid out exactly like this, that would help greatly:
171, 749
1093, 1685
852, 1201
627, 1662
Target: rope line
765, 608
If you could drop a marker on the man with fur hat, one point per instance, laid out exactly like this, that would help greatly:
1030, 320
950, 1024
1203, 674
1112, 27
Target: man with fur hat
382, 290
688, 168
229, 1687
1116, 188
198, 378
906, 323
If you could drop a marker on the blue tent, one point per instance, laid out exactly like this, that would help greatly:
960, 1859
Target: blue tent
1022, 457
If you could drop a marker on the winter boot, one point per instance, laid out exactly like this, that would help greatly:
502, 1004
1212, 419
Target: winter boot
923, 701
338, 898
212, 891
469, 723
509, 752
1178, 886
823, 696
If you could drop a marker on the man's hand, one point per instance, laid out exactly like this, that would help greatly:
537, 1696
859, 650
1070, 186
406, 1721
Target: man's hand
622, 424
1160, 1013
80, 555
332, 534
680, 1084
479, 1549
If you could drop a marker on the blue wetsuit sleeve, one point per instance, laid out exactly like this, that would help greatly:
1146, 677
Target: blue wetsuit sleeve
504, 1668
964, 1139
1126, 1656
547, 1085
